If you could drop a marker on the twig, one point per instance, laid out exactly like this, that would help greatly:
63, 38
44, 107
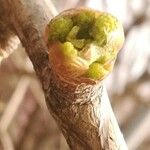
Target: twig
82, 111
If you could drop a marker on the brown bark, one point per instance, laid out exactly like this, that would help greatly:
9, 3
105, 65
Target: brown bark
81, 110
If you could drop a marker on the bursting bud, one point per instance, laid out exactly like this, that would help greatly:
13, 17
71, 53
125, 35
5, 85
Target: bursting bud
84, 43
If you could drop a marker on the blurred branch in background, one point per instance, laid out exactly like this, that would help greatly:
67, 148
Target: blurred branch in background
13, 104
25, 123
140, 131
6, 141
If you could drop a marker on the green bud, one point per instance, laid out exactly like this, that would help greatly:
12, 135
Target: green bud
84, 18
68, 50
103, 26
78, 43
73, 33
59, 28
96, 71
105, 58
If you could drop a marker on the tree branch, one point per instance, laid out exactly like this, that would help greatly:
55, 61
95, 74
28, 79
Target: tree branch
81, 109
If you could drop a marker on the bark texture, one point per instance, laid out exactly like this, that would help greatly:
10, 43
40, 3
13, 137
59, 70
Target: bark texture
81, 109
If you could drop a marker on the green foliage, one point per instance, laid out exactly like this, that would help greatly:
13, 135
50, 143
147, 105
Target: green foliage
72, 37
60, 28
68, 50
102, 27
96, 71
105, 58
84, 20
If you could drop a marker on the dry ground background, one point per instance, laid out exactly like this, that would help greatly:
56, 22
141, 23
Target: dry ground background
24, 119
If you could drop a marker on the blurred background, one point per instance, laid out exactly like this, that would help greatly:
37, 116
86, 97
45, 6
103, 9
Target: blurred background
25, 123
